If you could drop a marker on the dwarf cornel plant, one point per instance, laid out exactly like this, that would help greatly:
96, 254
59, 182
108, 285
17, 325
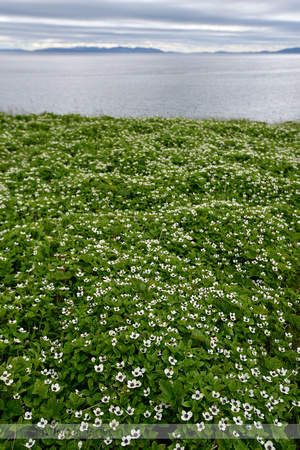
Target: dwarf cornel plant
149, 275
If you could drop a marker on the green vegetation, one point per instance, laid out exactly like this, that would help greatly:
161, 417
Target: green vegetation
149, 275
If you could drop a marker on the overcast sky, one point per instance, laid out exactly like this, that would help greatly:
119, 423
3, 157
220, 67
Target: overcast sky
170, 25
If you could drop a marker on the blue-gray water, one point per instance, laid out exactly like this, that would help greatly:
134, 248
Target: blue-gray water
256, 87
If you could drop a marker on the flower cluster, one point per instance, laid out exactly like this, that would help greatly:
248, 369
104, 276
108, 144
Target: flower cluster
148, 273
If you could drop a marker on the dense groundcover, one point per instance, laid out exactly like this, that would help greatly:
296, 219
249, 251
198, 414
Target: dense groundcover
148, 276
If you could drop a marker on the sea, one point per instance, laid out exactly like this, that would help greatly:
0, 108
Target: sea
259, 87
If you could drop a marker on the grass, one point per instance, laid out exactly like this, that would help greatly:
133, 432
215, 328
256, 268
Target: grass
149, 275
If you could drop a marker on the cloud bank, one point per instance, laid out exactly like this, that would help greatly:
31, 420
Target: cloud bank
187, 26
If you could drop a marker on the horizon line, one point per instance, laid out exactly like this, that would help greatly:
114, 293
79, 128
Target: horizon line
137, 49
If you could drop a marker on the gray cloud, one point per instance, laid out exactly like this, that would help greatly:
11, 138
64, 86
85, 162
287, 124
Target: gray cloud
164, 24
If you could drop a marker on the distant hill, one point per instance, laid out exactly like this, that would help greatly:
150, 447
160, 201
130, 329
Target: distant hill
99, 50
13, 50
136, 50
89, 50
265, 52
289, 50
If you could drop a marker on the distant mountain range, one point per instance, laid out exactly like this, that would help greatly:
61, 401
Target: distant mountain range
285, 50
135, 50
89, 50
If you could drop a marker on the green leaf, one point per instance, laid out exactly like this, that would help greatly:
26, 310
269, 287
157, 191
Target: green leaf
85, 392
131, 350
142, 287
239, 445
40, 389
187, 404
12, 409
178, 388
273, 363
294, 320
81, 377
199, 335
156, 446
90, 384
167, 390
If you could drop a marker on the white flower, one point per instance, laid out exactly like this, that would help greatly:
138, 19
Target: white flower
169, 372
247, 407
197, 396
99, 368
222, 425
130, 410
30, 443
98, 422
114, 424
176, 435
55, 387
284, 390
132, 384
28, 416
200, 426
135, 433
138, 372
264, 394
238, 420
120, 376
98, 412
277, 423
269, 445
243, 377
126, 440
172, 360
83, 426
134, 335
214, 410
42, 423
186, 415
207, 416
118, 411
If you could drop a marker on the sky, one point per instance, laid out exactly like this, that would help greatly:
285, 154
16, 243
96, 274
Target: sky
169, 25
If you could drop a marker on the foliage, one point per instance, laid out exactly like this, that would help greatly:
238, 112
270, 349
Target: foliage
149, 274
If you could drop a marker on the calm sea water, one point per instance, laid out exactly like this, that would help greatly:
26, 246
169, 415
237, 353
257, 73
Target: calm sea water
256, 87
